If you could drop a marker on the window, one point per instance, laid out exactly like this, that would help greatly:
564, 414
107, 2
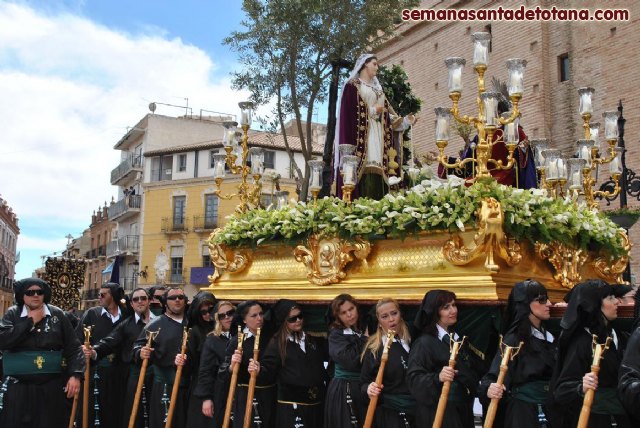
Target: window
210, 211
176, 264
212, 162
563, 67
269, 159
179, 205
182, 162
206, 258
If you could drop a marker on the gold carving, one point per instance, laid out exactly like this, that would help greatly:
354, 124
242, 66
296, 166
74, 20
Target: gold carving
225, 260
565, 260
39, 361
609, 269
489, 239
325, 260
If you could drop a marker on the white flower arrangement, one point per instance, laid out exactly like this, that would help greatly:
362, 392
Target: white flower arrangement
431, 205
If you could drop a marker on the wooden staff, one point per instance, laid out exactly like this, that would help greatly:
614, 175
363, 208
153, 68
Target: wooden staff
234, 381
176, 381
151, 335
598, 351
508, 354
454, 348
74, 410
371, 410
87, 376
252, 383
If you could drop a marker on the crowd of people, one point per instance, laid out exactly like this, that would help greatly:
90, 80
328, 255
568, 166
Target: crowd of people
225, 359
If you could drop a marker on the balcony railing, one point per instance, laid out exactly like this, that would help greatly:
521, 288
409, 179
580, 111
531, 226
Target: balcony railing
178, 277
161, 174
133, 163
102, 251
203, 223
126, 245
129, 283
174, 225
130, 204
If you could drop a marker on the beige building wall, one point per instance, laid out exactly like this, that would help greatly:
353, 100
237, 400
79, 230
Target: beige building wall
9, 232
604, 55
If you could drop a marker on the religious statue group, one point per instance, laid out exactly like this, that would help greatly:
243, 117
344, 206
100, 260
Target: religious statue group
151, 359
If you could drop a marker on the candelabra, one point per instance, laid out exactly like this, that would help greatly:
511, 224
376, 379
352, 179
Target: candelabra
487, 120
578, 173
248, 193
348, 170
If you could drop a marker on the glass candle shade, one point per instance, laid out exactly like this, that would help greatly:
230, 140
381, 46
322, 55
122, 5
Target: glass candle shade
551, 157
480, 48
455, 66
229, 133
257, 160
538, 146
610, 125
315, 182
345, 150
574, 167
219, 162
490, 101
594, 132
349, 169
561, 166
443, 120
615, 167
282, 199
586, 104
510, 133
584, 151
246, 112
516, 67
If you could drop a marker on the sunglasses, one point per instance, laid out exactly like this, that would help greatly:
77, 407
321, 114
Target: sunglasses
228, 314
542, 299
176, 297
36, 292
295, 318
139, 299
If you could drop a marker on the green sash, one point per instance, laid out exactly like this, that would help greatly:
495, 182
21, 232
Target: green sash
399, 402
107, 361
31, 362
606, 402
341, 373
536, 392
458, 393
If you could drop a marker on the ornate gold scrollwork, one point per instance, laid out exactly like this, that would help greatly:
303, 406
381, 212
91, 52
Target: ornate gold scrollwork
565, 260
489, 239
610, 269
326, 259
225, 260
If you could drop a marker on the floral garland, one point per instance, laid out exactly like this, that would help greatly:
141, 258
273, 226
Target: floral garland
432, 205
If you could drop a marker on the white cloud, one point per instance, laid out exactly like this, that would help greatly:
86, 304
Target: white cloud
70, 88
43, 244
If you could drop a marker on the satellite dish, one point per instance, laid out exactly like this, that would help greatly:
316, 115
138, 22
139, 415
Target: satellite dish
152, 107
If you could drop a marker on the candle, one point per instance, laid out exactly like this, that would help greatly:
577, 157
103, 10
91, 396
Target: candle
586, 105
585, 154
540, 157
219, 170
562, 171
231, 136
347, 174
614, 166
516, 82
610, 128
315, 180
552, 171
455, 83
490, 109
257, 167
510, 133
244, 118
442, 129
576, 180
480, 54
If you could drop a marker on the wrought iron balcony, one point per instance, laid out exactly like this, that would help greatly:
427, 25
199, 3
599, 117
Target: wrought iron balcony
125, 207
204, 223
178, 278
128, 244
174, 225
131, 165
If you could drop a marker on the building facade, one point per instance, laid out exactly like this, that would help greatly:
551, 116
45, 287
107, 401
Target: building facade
9, 232
562, 56
98, 235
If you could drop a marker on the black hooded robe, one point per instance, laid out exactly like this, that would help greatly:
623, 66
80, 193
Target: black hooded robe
629, 381
211, 385
427, 358
344, 399
166, 345
38, 400
394, 381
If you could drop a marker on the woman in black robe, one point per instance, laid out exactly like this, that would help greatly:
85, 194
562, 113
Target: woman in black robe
396, 406
251, 317
629, 382
429, 364
210, 387
527, 402
296, 361
591, 309
201, 322
345, 406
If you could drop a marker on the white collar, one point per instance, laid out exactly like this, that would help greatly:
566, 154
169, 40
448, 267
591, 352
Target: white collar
442, 332
350, 331
178, 320
404, 344
538, 334
138, 317
113, 318
226, 334
25, 311
247, 333
301, 342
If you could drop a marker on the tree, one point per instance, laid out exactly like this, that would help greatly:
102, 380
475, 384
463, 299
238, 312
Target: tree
290, 49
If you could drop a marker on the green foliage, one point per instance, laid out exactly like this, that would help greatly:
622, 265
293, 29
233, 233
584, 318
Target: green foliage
397, 89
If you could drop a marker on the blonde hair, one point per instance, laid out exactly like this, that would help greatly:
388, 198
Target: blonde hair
374, 343
217, 330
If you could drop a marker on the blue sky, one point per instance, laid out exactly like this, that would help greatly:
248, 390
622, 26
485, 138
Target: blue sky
73, 76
